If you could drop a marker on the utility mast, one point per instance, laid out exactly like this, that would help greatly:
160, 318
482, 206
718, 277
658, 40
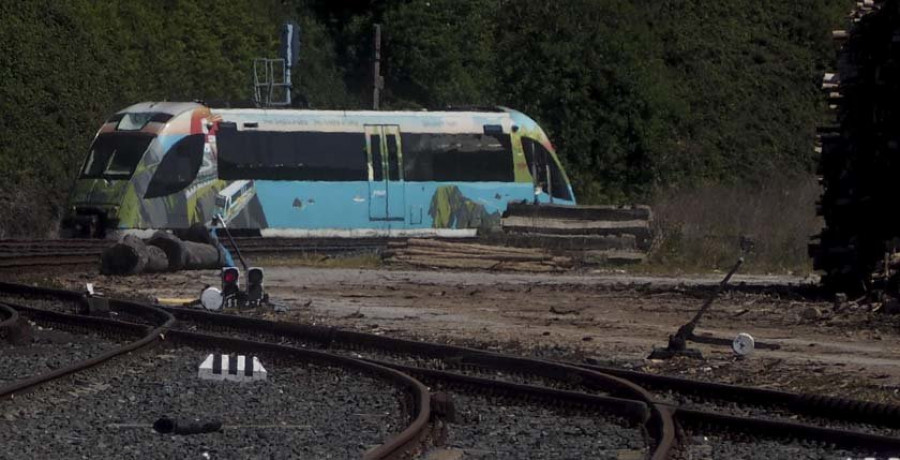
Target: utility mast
378, 83
272, 77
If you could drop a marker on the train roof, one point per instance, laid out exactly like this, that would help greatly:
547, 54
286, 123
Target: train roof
451, 120
355, 120
170, 108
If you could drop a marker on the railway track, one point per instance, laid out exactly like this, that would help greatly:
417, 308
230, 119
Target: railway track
805, 423
681, 418
528, 398
50, 252
317, 368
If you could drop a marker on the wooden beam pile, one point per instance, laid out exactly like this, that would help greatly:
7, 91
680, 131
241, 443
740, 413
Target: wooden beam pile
594, 235
444, 254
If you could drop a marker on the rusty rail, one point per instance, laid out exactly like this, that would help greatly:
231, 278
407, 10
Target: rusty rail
803, 404
633, 402
843, 439
625, 383
660, 423
401, 445
152, 334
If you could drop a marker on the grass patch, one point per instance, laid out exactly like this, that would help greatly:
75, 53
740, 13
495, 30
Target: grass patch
708, 228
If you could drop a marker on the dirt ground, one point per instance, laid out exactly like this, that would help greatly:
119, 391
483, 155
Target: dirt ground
609, 318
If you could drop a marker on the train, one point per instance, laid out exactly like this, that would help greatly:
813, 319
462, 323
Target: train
311, 173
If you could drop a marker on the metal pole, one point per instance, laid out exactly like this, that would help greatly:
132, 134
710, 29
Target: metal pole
693, 323
237, 250
678, 342
288, 62
549, 184
378, 82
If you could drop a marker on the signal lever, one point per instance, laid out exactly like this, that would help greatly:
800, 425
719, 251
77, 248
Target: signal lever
217, 219
231, 293
678, 342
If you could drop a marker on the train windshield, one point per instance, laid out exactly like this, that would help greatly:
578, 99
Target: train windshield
115, 156
549, 174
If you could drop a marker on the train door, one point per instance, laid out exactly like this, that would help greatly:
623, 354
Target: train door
387, 200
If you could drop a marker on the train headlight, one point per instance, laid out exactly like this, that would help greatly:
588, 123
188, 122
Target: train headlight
230, 282
255, 292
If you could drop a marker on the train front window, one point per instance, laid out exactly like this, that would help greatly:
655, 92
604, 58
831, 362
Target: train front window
549, 174
115, 156
178, 168
134, 121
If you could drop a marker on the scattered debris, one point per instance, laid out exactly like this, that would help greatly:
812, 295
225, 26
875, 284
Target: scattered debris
743, 344
442, 254
811, 314
356, 315
167, 425
554, 310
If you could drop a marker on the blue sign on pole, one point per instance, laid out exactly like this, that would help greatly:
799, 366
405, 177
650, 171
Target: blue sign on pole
290, 43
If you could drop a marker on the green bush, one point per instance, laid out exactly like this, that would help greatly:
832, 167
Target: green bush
638, 96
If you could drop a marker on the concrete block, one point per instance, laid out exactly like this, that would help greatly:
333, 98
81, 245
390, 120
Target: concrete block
238, 368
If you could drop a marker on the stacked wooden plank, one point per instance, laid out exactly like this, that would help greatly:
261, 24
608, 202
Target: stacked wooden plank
444, 254
597, 234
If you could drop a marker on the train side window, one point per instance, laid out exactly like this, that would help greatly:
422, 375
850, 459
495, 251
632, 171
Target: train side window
377, 163
393, 160
458, 157
178, 168
279, 155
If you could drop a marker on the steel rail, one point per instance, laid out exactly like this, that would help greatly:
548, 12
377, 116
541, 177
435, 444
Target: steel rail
13, 328
844, 439
401, 445
152, 335
48, 259
833, 408
10, 315
822, 406
634, 411
661, 423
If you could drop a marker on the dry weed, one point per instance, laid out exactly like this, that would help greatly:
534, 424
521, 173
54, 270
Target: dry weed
710, 227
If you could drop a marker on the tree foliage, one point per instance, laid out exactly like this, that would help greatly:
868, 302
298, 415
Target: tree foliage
638, 95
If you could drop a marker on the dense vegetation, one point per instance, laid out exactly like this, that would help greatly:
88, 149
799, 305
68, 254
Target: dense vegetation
639, 96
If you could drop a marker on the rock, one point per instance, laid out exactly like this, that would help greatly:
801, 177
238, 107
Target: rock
811, 314
890, 307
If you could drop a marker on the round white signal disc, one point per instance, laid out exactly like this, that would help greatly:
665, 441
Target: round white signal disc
211, 299
743, 344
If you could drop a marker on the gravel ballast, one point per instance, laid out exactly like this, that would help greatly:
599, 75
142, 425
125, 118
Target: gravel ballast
491, 428
301, 411
703, 447
47, 351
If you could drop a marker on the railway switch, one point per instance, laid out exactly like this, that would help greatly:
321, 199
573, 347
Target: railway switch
95, 304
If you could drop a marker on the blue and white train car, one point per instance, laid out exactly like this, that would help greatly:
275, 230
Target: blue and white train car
335, 173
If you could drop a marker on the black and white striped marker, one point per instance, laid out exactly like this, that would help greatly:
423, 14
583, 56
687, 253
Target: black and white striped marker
238, 368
